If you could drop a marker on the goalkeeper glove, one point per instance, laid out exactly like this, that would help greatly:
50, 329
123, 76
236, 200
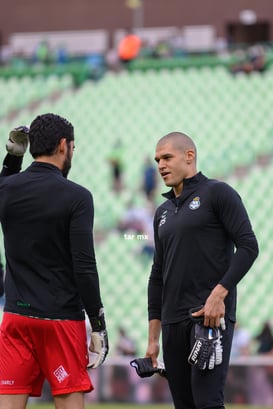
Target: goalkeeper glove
99, 345
207, 350
144, 367
18, 141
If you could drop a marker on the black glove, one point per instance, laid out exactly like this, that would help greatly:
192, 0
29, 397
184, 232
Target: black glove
207, 350
99, 341
144, 367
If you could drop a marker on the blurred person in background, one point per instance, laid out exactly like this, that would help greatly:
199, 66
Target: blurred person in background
265, 339
137, 223
129, 47
241, 342
204, 245
115, 159
135, 218
51, 275
149, 179
42, 53
126, 345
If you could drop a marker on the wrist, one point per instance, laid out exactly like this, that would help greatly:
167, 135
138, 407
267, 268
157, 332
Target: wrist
220, 292
98, 321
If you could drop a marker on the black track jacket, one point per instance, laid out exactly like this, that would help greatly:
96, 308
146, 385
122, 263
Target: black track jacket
196, 236
47, 224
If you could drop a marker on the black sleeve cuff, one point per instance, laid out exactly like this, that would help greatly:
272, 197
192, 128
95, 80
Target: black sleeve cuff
11, 165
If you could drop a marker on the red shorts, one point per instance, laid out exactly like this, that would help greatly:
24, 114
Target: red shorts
33, 349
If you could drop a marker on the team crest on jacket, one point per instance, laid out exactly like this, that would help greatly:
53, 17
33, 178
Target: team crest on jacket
163, 218
195, 203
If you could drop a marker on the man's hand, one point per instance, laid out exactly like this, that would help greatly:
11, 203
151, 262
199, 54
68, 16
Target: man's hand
214, 309
144, 367
18, 141
99, 344
208, 349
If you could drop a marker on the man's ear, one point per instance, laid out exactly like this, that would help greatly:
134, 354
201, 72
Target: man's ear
62, 145
190, 156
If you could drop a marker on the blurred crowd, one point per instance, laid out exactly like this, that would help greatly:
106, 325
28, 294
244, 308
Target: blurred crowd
131, 47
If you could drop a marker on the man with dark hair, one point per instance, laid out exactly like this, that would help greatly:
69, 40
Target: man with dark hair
51, 274
195, 268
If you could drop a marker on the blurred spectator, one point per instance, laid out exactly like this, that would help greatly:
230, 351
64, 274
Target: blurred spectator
265, 339
129, 47
137, 221
61, 54
241, 342
257, 57
254, 60
96, 64
18, 60
147, 245
177, 44
115, 160
112, 60
126, 346
121, 384
6, 55
149, 179
42, 53
162, 50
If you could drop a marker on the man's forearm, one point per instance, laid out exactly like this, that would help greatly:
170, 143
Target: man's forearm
11, 164
154, 330
153, 340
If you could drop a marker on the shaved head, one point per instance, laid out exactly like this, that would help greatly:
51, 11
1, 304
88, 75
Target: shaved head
179, 141
176, 158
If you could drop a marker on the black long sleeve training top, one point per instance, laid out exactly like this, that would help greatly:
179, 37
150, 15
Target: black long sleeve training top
1, 278
47, 223
202, 238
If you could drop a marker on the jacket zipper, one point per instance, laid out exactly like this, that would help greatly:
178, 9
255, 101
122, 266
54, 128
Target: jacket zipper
176, 207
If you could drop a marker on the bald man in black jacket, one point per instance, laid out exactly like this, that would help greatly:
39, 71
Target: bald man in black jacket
204, 245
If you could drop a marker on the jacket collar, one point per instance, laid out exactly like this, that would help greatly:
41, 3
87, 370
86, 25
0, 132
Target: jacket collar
188, 183
38, 166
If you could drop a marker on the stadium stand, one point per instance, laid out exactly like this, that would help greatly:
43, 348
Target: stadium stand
229, 118
17, 93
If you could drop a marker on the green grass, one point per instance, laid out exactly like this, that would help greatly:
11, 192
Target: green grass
135, 406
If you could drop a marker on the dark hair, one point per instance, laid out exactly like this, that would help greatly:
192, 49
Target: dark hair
45, 133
